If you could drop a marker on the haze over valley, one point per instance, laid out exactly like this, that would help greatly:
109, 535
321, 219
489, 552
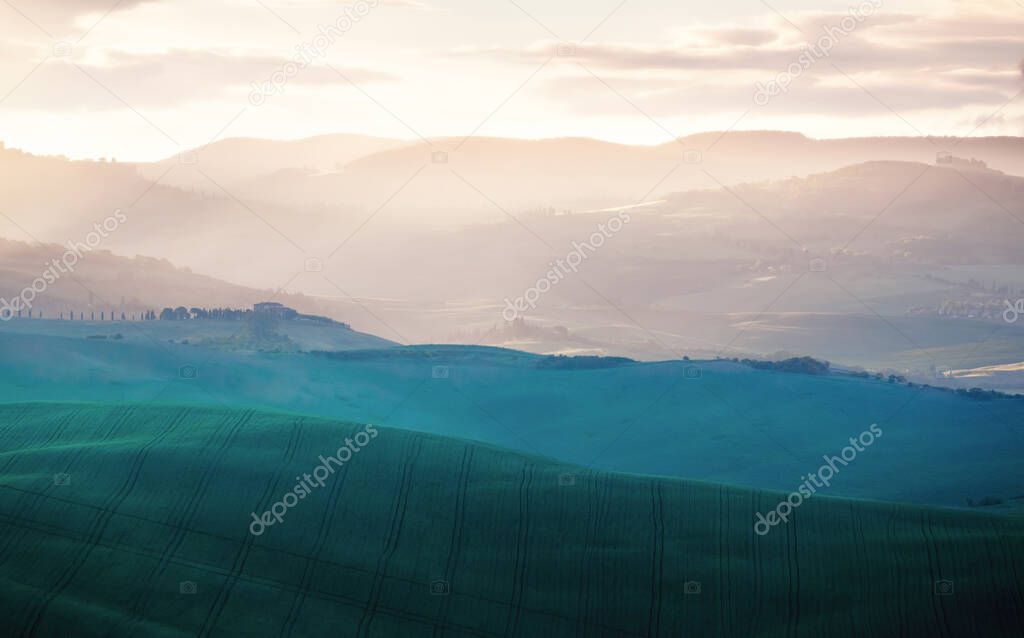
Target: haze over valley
737, 254
511, 319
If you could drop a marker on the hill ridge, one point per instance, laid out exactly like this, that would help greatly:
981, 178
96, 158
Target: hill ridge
677, 558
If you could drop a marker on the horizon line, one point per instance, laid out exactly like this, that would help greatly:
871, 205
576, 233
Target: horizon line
411, 141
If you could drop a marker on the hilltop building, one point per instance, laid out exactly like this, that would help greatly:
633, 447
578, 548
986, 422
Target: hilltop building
273, 308
951, 161
285, 313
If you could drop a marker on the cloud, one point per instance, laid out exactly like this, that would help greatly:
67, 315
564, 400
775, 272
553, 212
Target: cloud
858, 55
740, 36
970, 36
809, 96
410, 4
894, 42
166, 79
61, 13
57, 20
936, 67
224, 67
78, 7
56, 17
997, 120
911, 62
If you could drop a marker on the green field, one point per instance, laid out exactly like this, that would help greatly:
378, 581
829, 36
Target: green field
306, 335
731, 425
156, 499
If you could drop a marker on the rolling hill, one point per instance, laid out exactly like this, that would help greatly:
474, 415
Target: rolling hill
929, 205
240, 162
349, 176
703, 270
122, 521
580, 173
716, 421
103, 282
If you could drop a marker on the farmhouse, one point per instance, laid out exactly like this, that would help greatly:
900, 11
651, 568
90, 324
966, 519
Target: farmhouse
277, 310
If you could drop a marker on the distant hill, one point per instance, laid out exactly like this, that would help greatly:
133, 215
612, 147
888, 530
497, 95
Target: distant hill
727, 423
933, 250
360, 171
291, 199
209, 334
582, 173
356, 172
103, 282
692, 269
54, 200
804, 155
239, 162
138, 521
923, 200
53, 197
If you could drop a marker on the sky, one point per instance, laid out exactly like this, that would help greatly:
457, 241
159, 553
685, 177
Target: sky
145, 79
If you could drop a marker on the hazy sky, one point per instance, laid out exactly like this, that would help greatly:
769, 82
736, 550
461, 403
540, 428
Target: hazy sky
139, 79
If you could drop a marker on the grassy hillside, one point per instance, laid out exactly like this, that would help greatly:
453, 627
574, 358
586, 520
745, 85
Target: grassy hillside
110, 283
306, 335
145, 533
730, 424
